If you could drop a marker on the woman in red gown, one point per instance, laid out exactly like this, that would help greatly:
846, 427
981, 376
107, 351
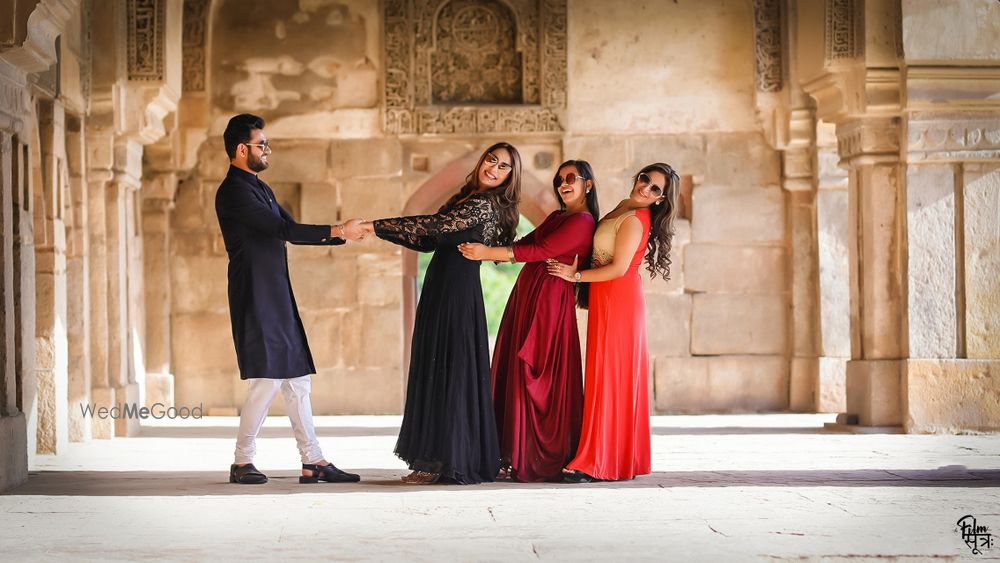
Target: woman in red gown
537, 376
614, 439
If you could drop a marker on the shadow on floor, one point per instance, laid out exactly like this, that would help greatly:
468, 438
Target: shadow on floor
729, 430
266, 432
348, 431
214, 483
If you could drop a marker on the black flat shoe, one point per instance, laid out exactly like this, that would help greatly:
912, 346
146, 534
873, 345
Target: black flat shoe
578, 477
328, 473
246, 475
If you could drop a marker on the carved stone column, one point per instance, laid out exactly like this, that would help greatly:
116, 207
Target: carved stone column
157, 204
101, 158
78, 284
52, 346
869, 147
127, 170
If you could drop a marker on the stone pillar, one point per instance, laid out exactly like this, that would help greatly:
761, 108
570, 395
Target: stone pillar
156, 213
78, 285
52, 349
127, 170
13, 437
869, 148
834, 272
799, 182
100, 151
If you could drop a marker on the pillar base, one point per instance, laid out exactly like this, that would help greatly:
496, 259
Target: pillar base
14, 445
159, 389
951, 396
874, 392
128, 394
102, 428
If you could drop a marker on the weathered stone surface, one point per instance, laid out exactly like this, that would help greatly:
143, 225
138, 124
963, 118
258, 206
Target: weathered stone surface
325, 330
53, 431
721, 384
368, 157
874, 391
685, 153
213, 162
203, 342
741, 161
210, 389
834, 273
294, 161
744, 214
882, 304
381, 278
951, 396
358, 391
319, 204
982, 264
325, 282
371, 198
605, 154
739, 324
381, 336
715, 93
192, 205
668, 318
930, 221
831, 386
200, 284
159, 389
735, 269
804, 280
950, 31
802, 384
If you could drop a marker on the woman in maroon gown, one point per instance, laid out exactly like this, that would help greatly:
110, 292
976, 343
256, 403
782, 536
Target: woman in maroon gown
537, 374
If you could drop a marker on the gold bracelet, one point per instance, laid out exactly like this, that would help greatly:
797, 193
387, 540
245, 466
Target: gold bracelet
510, 254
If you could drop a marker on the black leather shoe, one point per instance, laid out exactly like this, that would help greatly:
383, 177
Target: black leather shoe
578, 477
328, 473
246, 475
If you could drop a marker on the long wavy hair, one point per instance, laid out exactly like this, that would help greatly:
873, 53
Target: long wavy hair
661, 221
587, 173
506, 196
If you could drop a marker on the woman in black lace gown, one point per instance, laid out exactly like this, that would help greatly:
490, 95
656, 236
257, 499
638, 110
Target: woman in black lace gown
449, 430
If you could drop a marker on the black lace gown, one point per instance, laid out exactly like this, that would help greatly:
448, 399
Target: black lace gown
448, 422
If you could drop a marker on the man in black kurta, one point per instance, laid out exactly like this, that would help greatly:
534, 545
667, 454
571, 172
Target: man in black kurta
271, 346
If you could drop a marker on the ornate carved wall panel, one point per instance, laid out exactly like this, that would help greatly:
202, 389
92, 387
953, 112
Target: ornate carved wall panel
193, 44
145, 28
474, 66
767, 45
844, 29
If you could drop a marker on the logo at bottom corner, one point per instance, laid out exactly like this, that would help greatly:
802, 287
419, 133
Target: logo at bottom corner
976, 536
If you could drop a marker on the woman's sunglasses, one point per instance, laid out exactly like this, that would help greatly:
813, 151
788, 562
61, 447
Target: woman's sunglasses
570, 179
645, 180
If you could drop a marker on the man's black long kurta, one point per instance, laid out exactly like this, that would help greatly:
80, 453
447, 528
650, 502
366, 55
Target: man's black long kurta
270, 341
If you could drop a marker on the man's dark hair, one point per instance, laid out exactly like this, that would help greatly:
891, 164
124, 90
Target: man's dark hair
238, 131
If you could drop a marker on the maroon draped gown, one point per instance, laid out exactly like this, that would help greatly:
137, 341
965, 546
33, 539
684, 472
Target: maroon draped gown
537, 374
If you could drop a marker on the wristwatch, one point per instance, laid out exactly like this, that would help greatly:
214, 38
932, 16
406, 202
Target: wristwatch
577, 276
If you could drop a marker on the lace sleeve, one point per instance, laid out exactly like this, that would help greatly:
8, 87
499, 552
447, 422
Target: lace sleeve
418, 230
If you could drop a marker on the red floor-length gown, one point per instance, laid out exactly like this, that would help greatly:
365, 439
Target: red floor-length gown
614, 439
537, 376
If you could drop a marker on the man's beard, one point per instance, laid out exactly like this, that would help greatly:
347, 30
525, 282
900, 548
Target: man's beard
255, 163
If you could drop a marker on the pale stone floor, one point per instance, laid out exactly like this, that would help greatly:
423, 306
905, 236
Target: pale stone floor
723, 488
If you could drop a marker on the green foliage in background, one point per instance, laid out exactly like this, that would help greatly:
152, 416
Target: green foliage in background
498, 279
